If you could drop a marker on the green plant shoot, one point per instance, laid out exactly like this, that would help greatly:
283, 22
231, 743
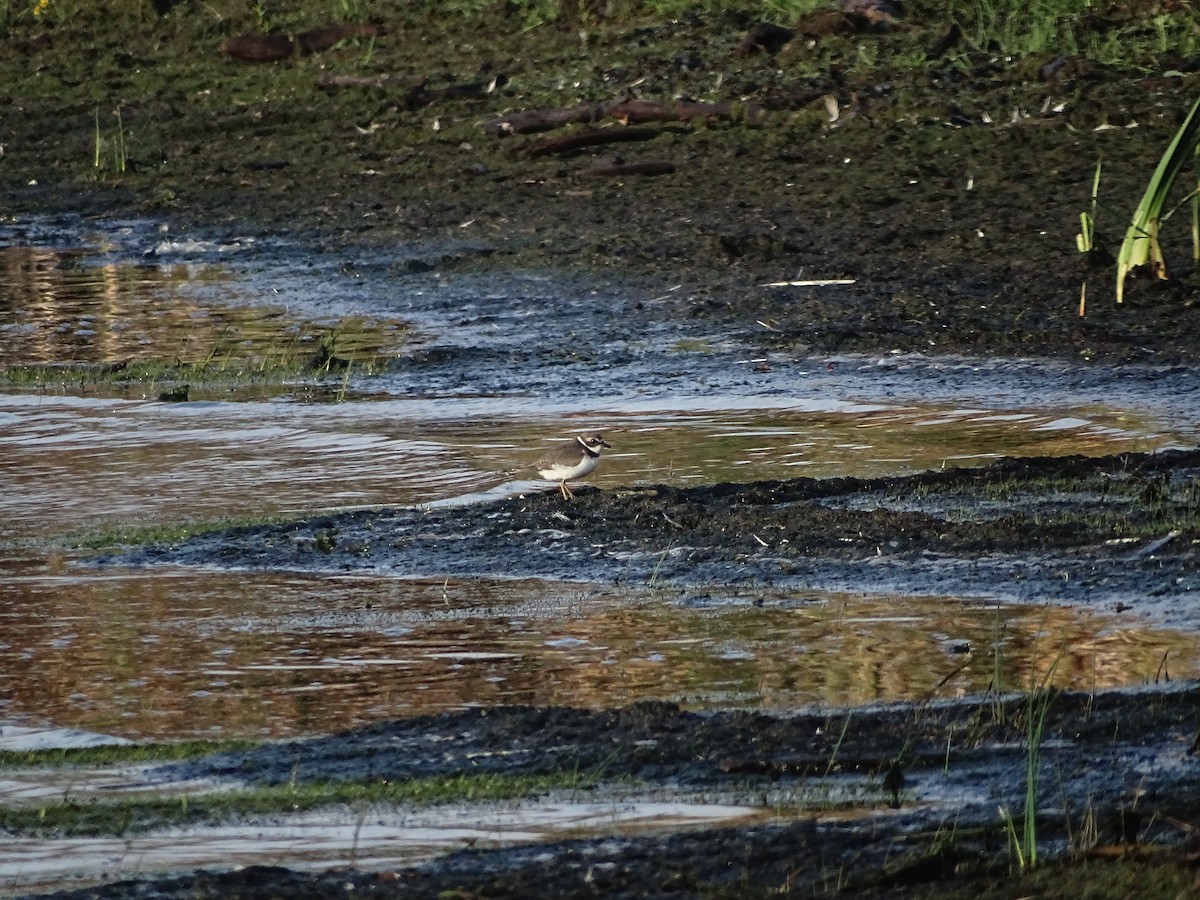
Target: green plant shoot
1141, 246
1086, 239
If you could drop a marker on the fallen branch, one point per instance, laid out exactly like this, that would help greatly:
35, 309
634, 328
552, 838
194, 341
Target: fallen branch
534, 120
810, 282
764, 36
259, 47
318, 40
624, 111
272, 47
682, 111
328, 80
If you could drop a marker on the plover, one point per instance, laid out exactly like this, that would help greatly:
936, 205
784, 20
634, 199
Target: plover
571, 460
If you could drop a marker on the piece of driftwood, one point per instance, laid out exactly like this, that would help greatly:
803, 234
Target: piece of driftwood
873, 15
329, 80
276, 46
535, 120
592, 138
259, 47
682, 111
621, 170
476, 90
945, 43
852, 17
414, 91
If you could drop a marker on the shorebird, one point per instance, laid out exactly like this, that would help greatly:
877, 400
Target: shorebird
571, 460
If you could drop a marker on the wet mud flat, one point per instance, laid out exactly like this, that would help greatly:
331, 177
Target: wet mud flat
1120, 531
911, 798
877, 801
909, 196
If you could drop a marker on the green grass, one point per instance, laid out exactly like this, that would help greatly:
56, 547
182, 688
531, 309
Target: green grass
119, 817
119, 754
1024, 845
167, 533
227, 371
1002, 27
71, 375
225, 345
1085, 241
156, 377
113, 144
1133, 35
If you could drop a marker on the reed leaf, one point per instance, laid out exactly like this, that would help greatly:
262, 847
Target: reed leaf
1141, 246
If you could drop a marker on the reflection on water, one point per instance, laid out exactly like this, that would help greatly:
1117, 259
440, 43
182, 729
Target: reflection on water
687, 418
186, 653
384, 841
161, 653
86, 461
59, 307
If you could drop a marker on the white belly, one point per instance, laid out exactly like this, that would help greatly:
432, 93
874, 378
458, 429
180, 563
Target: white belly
559, 472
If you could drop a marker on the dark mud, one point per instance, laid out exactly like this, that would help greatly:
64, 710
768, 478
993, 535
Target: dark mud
1119, 773
1121, 764
949, 191
1113, 532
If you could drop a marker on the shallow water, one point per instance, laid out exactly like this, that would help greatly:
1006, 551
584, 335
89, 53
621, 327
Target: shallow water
192, 653
88, 462
444, 391
60, 307
373, 839
474, 376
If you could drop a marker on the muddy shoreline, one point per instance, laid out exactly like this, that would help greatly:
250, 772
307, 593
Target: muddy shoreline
1123, 763
1116, 532
910, 194
948, 196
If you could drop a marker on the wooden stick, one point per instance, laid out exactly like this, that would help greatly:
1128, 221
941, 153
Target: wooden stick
624, 111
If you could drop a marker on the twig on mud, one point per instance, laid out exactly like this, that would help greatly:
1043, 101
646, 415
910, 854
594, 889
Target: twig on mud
1162, 665
273, 47
838, 745
624, 111
811, 282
